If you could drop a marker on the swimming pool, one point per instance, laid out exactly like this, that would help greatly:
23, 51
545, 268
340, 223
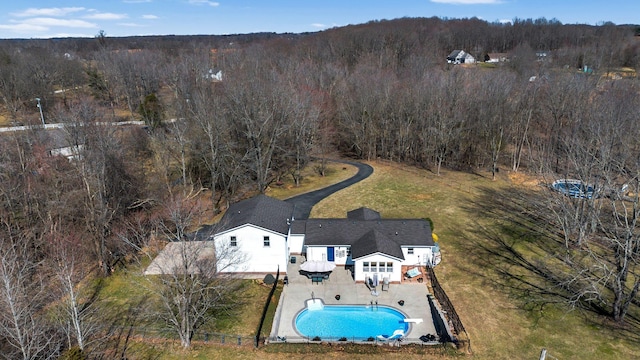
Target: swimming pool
352, 322
574, 188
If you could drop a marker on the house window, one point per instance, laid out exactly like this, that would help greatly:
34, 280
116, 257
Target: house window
410, 251
374, 267
365, 266
349, 251
389, 267
234, 241
266, 241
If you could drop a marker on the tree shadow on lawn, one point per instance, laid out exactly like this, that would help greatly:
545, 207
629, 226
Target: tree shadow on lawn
519, 251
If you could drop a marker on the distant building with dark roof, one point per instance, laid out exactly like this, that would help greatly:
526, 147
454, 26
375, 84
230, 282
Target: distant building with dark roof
460, 57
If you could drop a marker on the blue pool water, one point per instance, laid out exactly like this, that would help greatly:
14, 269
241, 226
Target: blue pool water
352, 322
574, 188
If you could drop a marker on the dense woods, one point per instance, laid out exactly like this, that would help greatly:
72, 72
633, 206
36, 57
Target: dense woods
566, 104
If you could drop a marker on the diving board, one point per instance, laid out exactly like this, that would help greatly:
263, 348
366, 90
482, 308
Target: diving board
415, 321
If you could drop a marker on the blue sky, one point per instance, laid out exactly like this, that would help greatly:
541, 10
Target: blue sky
85, 18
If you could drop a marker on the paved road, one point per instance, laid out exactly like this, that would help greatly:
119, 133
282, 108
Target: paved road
305, 202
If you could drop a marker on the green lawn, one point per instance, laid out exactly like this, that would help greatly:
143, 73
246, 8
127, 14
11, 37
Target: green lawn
468, 218
500, 322
335, 172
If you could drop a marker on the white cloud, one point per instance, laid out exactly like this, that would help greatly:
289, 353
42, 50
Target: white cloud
204, 2
106, 16
48, 22
505, 21
467, 2
24, 28
47, 11
317, 25
149, 17
67, 35
136, 1
130, 25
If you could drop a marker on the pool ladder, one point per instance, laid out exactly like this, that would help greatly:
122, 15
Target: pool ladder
372, 303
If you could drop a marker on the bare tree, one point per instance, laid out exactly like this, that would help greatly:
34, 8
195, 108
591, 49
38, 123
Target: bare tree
601, 232
494, 114
189, 279
108, 188
521, 125
304, 121
447, 119
262, 109
23, 295
78, 312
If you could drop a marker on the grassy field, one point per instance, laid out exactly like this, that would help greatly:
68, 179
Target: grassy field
465, 209
499, 321
312, 180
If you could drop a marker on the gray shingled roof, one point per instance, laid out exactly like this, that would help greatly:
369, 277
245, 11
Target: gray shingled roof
262, 211
454, 54
343, 232
363, 213
363, 230
373, 242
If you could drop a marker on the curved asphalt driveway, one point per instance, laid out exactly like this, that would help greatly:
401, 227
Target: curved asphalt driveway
304, 202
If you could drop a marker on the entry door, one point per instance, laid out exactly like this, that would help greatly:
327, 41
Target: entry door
330, 253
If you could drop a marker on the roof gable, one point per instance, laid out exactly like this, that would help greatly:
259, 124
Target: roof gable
363, 213
373, 242
454, 54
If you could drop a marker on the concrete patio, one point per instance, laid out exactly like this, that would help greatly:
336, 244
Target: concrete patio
340, 282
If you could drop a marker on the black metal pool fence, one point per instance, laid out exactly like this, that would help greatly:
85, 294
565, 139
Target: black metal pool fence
259, 338
447, 306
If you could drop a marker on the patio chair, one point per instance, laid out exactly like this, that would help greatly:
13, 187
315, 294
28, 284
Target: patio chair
368, 282
413, 272
397, 335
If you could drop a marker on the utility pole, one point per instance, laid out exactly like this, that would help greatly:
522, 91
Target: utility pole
40, 108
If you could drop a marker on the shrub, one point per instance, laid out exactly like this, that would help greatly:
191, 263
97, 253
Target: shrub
430, 222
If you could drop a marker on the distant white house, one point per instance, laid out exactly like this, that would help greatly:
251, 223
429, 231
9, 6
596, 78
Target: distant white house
214, 75
498, 57
460, 57
264, 231
70, 152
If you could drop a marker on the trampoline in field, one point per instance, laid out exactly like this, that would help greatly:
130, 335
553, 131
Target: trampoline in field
574, 188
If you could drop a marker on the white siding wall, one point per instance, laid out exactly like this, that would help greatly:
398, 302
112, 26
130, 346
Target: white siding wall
420, 255
259, 258
340, 255
295, 244
316, 253
319, 253
361, 275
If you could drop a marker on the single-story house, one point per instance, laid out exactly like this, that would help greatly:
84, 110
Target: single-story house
497, 57
265, 230
460, 57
